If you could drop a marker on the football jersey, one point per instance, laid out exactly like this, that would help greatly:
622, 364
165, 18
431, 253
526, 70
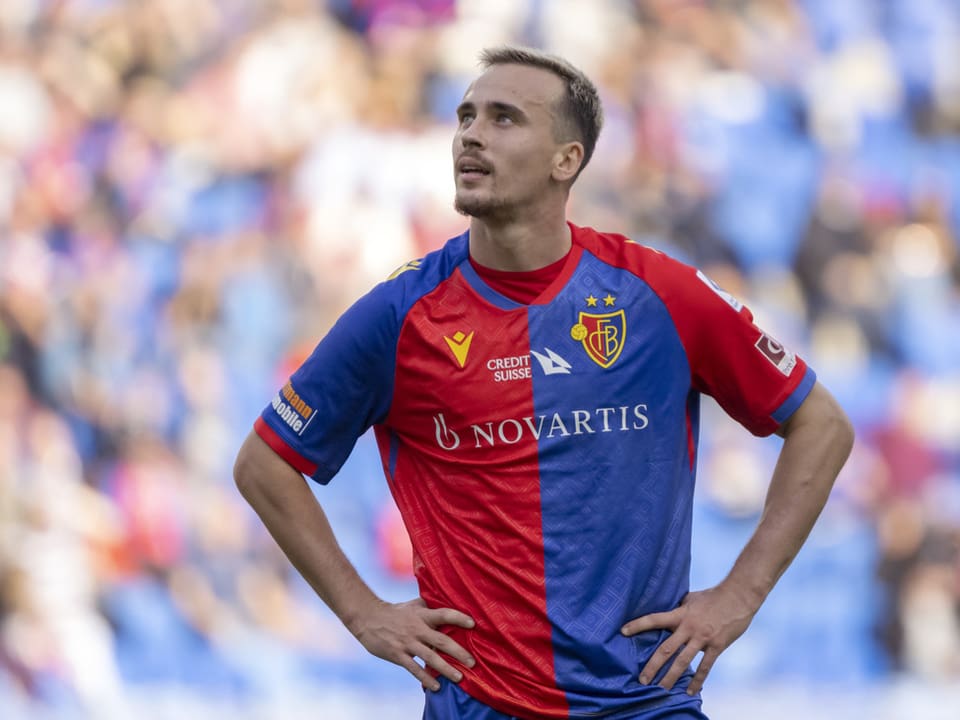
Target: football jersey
542, 456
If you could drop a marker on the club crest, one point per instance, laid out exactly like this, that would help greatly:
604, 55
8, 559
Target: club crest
601, 334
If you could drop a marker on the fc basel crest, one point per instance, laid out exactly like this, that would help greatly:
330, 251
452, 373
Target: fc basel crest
601, 334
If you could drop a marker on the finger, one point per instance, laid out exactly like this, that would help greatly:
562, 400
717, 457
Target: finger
703, 669
416, 669
432, 658
654, 621
448, 616
449, 646
661, 655
679, 666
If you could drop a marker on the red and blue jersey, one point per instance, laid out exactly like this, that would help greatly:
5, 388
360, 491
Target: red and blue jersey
542, 456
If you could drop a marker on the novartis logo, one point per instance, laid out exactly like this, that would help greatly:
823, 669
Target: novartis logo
510, 431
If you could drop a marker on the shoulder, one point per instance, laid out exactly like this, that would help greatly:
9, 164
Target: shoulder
416, 278
683, 288
373, 322
649, 264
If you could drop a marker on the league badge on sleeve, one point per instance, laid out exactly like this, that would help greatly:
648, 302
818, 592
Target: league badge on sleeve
724, 295
783, 359
601, 334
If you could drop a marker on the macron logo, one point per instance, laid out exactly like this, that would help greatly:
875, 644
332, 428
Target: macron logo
459, 345
552, 363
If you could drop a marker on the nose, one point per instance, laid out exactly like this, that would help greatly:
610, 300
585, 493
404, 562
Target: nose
471, 135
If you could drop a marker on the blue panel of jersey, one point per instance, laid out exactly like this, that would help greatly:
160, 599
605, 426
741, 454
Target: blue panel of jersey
618, 487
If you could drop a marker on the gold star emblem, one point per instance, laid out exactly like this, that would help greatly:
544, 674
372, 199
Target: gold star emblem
609, 300
591, 301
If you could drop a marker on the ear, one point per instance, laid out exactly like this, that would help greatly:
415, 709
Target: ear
566, 161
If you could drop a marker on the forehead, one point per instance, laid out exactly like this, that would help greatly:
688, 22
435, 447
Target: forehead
521, 85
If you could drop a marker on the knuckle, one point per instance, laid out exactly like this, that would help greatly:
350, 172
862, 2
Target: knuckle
704, 632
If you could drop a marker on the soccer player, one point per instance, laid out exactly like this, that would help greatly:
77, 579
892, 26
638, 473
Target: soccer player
534, 388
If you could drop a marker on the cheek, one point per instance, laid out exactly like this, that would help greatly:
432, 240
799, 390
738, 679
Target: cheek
531, 169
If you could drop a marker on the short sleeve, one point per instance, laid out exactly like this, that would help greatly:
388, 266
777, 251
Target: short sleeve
753, 377
343, 388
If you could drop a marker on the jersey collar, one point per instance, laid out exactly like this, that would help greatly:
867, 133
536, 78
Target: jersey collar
502, 301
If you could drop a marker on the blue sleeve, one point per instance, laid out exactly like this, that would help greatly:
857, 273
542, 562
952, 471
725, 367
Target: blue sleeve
343, 388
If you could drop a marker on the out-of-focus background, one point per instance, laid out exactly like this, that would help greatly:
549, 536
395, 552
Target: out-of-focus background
192, 190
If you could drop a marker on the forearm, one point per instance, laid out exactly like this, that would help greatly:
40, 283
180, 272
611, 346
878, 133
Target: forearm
292, 515
816, 445
396, 632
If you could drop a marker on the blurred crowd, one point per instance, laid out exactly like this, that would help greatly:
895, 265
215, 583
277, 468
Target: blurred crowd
191, 191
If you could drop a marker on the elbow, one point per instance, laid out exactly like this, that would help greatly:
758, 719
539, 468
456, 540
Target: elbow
849, 435
822, 414
245, 473
841, 432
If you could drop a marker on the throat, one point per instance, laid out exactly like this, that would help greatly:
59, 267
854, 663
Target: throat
519, 246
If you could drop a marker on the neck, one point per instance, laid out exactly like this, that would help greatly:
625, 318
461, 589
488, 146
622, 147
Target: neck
519, 246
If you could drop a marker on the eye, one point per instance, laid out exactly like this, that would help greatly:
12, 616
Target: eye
466, 118
504, 118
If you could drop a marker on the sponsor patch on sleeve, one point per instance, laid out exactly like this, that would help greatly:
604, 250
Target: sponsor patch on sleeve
782, 359
292, 409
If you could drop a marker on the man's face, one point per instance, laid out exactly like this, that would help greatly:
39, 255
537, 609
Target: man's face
504, 147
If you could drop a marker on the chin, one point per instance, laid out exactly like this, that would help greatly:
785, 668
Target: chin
478, 207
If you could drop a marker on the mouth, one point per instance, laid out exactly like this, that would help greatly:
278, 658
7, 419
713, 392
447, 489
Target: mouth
470, 169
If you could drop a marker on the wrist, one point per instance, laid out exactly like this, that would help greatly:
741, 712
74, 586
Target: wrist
750, 593
355, 616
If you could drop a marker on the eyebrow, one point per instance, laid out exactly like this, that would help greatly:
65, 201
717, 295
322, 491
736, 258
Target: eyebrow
495, 105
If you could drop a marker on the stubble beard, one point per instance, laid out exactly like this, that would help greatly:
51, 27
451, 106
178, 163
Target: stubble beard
485, 208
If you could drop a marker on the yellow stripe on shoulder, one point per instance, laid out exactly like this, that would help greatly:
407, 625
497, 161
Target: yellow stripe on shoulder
631, 241
412, 265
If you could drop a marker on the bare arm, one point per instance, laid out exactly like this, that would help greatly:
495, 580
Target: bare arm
398, 633
818, 438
